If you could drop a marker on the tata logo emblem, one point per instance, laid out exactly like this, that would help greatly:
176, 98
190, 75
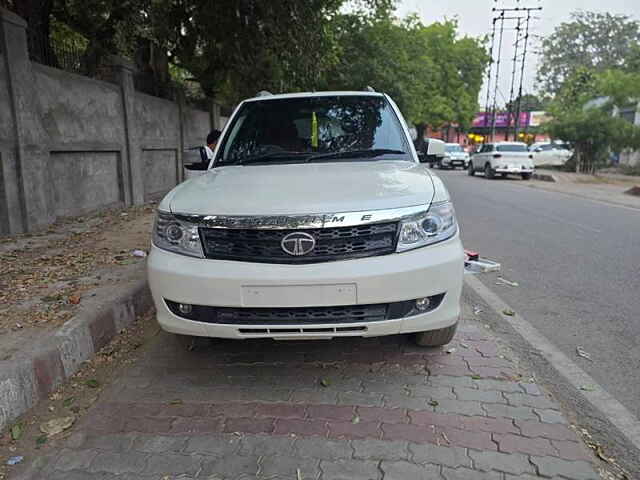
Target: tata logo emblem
298, 243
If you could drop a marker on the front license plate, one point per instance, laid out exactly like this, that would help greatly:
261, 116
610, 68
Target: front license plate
299, 295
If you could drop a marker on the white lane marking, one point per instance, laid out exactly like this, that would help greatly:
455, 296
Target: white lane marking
599, 398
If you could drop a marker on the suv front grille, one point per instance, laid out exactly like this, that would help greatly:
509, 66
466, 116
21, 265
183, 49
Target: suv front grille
334, 243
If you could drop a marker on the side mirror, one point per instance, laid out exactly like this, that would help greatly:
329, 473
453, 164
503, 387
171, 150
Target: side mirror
203, 155
537, 150
196, 158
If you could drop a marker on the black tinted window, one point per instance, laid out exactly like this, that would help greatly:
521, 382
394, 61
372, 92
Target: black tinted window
511, 148
313, 125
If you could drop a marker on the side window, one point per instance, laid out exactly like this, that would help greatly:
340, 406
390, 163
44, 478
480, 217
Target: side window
487, 147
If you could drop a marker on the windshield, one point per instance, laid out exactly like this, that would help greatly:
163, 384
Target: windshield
454, 148
511, 148
296, 129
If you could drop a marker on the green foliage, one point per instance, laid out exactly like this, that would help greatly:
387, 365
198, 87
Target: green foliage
61, 34
434, 76
235, 48
595, 41
528, 103
595, 132
582, 114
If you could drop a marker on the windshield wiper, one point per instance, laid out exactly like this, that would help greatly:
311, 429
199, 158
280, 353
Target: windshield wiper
371, 153
270, 156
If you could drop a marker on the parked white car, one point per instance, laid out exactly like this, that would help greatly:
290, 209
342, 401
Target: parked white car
315, 220
502, 158
547, 153
454, 156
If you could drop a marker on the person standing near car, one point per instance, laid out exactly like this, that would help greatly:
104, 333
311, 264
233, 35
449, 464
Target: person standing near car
212, 141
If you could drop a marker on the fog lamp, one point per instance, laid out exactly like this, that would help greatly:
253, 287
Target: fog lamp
185, 308
422, 304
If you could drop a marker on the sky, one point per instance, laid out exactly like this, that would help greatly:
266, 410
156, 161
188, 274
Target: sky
475, 19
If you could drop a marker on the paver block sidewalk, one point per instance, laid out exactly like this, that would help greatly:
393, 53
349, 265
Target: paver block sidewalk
345, 409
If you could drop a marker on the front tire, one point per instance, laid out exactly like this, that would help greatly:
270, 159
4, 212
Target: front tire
470, 170
435, 338
526, 176
488, 171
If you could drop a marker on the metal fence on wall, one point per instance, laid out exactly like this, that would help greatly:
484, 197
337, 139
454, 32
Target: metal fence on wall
64, 55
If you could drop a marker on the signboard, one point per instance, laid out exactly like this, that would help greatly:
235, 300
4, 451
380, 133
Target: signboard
538, 118
484, 119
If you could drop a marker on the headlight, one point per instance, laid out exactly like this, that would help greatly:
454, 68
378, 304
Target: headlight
433, 226
176, 236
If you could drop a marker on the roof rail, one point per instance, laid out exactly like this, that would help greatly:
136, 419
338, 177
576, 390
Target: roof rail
369, 89
263, 93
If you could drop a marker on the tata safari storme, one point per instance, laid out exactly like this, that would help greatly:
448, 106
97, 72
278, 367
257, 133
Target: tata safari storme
315, 220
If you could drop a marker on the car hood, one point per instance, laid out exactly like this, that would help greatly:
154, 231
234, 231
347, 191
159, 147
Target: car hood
303, 189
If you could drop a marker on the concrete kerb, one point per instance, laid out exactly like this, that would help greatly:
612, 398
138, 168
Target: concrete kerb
42, 366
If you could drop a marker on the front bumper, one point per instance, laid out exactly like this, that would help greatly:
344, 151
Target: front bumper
397, 277
455, 162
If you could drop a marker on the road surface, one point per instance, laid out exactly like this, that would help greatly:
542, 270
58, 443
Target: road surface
577, 263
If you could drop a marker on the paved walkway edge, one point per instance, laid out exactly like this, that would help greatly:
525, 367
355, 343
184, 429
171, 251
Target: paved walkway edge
599, 398
42, 366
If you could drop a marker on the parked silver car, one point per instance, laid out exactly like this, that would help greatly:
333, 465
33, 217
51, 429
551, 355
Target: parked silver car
454, 156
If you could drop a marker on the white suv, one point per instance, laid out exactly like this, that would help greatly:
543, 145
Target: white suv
315, 220
502, 158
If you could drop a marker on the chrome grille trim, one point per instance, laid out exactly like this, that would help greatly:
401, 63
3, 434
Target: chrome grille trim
289, 222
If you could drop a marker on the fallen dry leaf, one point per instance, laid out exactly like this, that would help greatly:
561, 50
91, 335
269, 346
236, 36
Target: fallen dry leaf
57, 425
74, 299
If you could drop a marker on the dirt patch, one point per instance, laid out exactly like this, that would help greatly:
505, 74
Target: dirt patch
635, 191
44, 277
592, 180
74, 398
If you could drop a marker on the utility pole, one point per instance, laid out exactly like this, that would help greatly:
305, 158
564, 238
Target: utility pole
524, 57
519, 16
495, 93
513, 79
486, 104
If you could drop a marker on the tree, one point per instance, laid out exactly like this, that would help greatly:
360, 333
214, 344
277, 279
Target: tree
584, 114
433, 75
528, 103
597, 41
243, 46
